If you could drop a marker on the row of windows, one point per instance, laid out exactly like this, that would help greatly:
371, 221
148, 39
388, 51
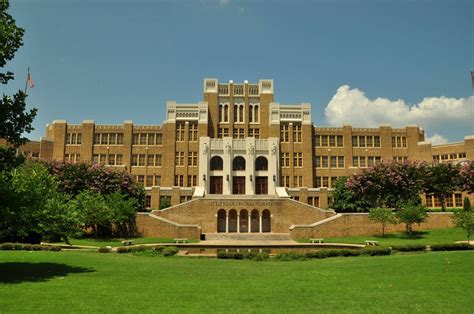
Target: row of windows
192, 159
453, 156
150, 139
366, 141
400, 158
297, 160
365, 161
323, 161
179, 180
297, 181
238, 133
108, 159
73, 138
325, 182
72, 157
239, 112
108, 138
285, 133
329, 140
151, 180
399, 142
238, 164
452, 200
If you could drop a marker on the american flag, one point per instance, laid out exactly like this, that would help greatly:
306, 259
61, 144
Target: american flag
30, 81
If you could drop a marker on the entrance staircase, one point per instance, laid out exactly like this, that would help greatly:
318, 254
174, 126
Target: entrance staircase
248, 237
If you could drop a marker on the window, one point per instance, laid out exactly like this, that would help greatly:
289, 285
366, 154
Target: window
151, 139
333, 161
149, 180
179, 180
193, 132
355, 143
285, 181
298, 160
297, 137
239, 113
223, 112
73, 158
179, 159
317, 161
191, 180
136, 139
376, 141
217, 163
222, 132
140, 179
340, 162
317, 182
157, 180
150, 161
361, 161
73, 138
297, 181
147, 201
138, 160
399, 142
355, 161
361, 141
104, 139
317, 140
180, 130
429, 200
324, 141
239, 133
192, 159
284, 133
325, 182
119, 138
254, 112
458, 199
96, 138
340, 141
238, 164
325, 163
285, 160
261, 164
254, 133
332, 140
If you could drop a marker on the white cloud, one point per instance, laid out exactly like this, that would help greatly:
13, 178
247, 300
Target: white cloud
437, 139
352, 106
224, 2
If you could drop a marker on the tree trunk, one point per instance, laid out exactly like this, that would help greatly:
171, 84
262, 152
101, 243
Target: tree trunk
383, 230
442, 198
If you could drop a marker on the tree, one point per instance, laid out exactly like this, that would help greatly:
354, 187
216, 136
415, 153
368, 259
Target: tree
94, 212
124, 214
383, 216
388, 184
466, 176
15, 120
411, 213
344, 200
32, 208
442, 179
465, 219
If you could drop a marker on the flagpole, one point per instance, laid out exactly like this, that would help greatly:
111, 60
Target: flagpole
27, 77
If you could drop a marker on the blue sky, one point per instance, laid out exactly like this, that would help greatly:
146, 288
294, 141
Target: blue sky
358, 62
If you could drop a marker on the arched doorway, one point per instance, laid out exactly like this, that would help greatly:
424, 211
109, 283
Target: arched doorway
266, 221
221, 220
232, 220
244, 221
216, 163
238, 164
255, 221
261, 164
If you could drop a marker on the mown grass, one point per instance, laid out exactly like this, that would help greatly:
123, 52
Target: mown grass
100, 242
434, 236
435, 282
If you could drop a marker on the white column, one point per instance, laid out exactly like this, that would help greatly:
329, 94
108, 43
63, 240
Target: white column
238, 223
226, 223
260, 217
249, 224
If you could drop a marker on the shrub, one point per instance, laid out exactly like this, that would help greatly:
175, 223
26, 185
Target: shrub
103, 250
18, 246
376, 251
452, 247
290, 256
169, 251
55, 248
7, 246
409, 248
261, 257
138, 248
159, 248
224, 255
332, 253
45, 248
37, 247
123, 249
28, 247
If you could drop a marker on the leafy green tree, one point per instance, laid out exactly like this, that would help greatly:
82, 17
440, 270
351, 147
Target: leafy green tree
465, 219
382, 215
32, 208
94, 212
442, 179
124, 214
15, 120
9, 159
165, 202
411, 213
466, 176
343, 199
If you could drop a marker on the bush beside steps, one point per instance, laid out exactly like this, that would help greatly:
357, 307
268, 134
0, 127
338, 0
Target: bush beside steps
28, 247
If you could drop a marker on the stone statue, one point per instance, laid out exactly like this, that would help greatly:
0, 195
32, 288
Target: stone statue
228, 149
205, 150
274, 149
251, 149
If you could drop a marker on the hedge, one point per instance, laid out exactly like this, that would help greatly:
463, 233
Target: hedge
28, 247
452, 247
409, 248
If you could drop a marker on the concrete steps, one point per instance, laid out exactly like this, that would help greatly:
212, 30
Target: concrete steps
248, 236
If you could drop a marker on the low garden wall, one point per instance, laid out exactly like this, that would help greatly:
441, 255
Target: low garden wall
149, 225
351, 224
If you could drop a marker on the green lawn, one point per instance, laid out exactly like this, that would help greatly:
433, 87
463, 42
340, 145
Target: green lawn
118, 242
433, 236
59, 282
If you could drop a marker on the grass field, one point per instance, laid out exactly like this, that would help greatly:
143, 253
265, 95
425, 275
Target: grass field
118, 242
434, 236
57, 282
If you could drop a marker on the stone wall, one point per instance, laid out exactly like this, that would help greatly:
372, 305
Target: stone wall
352, 224
149, 225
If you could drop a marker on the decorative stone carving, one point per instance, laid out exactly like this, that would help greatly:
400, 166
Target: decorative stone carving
251, 149
274, 149
205, 150
228, 149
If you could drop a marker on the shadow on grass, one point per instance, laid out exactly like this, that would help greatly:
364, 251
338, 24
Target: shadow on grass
18, 272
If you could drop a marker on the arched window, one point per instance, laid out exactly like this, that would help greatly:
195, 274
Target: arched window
232, 221
261, 164
256, 113
216, 163
250, 113
241, 113
220, 112
221, 220
266, 221
226, 113
238, 164
236, 112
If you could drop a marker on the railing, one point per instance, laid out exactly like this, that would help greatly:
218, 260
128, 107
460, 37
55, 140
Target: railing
253, 90
217, 144
238, 90
223, 89
239, 144
261, 144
